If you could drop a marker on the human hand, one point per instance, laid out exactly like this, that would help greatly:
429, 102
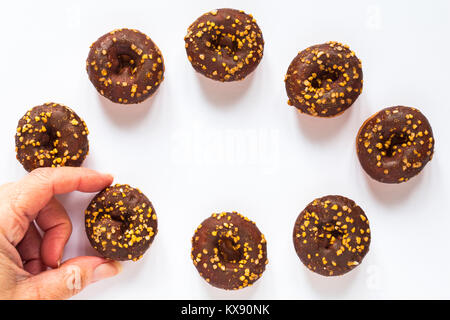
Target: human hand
25, 256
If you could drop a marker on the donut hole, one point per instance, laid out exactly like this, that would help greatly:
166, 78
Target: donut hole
126, 63
394, 143
229, 251
118, 216
329, 238
336, 234
324, 78
123, 58
224, 43
46, 139
113, 224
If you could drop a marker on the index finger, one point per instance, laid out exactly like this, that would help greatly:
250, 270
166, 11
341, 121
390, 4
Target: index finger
30, 194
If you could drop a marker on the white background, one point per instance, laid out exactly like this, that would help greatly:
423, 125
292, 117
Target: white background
198, 146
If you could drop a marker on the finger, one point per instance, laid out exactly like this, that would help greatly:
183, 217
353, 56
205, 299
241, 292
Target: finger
55, 223
6, 186
29, 195
29, 249
68, 280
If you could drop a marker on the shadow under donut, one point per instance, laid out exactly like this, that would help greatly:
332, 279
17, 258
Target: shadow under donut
241, 294
391, 194
320, 129
127, 115
224, 93
332, 287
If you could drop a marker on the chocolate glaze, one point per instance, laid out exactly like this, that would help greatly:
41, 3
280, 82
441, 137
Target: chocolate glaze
125, 66
229, 251
51, 135
224, 44
331, 235
395, 144
324, 80
121, 223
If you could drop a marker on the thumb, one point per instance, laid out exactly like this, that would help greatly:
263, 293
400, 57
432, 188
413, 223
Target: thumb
67, 280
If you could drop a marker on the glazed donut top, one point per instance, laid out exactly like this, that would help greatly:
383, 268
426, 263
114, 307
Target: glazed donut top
324, 80
331, 235
229, 251
395, 144
224, 44
125, 66
51, 135
121, 223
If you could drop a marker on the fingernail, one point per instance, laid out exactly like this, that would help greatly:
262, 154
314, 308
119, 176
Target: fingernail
106, 270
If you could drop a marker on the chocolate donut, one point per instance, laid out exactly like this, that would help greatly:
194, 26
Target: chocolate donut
229, 251
324, 80
331, 235
224, 44
125, 66
121, 223
51, 135
395, 144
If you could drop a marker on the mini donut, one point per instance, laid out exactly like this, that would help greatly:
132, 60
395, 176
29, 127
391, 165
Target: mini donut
224, 44
229, 251
395, 144
331, 235
121, 223
125, 66
324, 80
51, 135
